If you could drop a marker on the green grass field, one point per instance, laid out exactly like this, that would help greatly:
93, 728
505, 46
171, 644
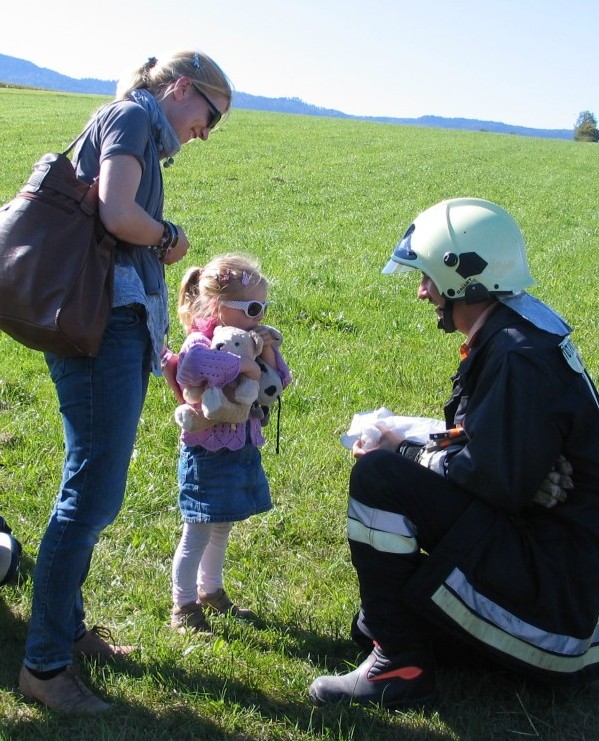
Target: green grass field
321, 202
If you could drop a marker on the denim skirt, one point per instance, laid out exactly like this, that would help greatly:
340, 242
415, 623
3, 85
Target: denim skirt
223, 485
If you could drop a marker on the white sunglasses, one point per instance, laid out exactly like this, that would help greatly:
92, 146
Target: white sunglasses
251, 309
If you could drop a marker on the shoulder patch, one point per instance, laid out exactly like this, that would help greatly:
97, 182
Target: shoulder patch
571, 355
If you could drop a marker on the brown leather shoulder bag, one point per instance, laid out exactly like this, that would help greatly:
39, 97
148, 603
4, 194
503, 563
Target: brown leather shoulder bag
56, 262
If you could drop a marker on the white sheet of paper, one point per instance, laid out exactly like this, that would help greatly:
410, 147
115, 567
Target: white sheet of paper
417, 429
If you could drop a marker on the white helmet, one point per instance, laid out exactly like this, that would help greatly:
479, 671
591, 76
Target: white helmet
470, 248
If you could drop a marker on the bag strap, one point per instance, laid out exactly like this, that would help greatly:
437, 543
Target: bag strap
71, 146
88, 126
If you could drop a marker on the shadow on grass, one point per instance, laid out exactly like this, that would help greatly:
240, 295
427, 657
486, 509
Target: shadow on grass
196, 702
179, 704
476, 693
13, 627
13, 630
287, 719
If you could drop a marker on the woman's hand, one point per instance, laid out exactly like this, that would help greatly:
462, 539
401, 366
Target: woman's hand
179, 251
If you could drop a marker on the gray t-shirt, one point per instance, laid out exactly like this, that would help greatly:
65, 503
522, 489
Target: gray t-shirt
123, 128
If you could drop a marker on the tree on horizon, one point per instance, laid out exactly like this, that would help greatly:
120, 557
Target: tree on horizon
586, 128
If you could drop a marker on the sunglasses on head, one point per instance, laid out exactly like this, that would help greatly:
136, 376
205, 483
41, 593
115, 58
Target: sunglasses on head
215, 114
251, 309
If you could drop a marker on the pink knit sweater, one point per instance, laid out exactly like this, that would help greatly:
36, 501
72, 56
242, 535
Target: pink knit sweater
198, 363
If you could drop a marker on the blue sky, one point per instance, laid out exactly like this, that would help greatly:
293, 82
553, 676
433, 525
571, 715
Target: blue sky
522, 62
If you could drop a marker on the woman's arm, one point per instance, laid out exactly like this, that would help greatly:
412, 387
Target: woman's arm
120, 177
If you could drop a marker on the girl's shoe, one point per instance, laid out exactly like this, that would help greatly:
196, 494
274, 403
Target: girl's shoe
189, 619
220, 602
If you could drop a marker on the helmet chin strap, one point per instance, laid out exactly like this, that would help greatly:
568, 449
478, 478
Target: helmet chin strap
475, 294
446, 321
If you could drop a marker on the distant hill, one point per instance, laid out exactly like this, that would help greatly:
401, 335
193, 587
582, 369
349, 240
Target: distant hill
15, 71
295, 105
20, 72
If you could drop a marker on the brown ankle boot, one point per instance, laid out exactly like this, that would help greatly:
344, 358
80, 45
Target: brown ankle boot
220, 602
190, 619
98, 643
64, 692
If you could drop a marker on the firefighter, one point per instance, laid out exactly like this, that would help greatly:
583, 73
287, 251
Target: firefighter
466, 540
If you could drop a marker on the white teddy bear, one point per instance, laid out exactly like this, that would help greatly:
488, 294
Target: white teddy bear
205, 407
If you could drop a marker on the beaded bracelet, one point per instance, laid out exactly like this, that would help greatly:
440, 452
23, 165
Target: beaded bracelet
169, 239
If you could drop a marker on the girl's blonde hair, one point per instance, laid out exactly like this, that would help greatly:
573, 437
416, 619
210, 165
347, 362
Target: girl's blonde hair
157, 75
226, 276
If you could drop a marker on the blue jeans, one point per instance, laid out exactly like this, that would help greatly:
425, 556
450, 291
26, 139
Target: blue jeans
100, 399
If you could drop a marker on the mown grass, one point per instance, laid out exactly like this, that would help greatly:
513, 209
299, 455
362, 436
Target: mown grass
321, 202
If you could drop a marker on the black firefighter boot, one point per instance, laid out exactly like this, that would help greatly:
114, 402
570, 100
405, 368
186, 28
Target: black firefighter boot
406, 680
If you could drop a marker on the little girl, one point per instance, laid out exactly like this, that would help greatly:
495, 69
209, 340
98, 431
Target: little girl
221, 479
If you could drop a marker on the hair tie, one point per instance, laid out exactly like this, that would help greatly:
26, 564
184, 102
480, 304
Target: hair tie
221, 278
152, 62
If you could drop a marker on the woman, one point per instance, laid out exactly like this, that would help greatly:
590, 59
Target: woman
167, 103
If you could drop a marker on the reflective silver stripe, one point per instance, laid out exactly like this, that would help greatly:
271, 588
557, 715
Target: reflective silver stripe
384, 531
434, 460
496, 627
505, 620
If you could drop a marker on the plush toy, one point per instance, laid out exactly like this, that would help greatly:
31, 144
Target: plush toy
10, 553
205, 407
270, 385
